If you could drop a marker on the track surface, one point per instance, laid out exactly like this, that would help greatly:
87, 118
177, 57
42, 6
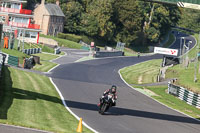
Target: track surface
83, 83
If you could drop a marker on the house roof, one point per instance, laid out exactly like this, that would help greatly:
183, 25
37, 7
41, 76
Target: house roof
54, 10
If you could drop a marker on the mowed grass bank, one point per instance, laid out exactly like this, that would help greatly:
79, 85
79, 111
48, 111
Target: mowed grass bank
142, 73
185, 75
131, 75
30, 100
45, 63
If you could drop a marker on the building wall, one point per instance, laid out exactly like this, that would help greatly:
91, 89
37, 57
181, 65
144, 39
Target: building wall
56, 25
41, 17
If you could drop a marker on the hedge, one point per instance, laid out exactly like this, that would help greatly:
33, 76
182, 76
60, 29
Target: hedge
70, 37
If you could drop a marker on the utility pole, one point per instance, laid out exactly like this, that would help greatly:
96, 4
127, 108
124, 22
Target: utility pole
180, 51
19, 38
196, 60
23, 34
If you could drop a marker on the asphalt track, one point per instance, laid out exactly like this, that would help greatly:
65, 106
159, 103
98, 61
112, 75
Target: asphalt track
83, 83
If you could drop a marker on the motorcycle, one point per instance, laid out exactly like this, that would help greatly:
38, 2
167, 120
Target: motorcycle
106, 103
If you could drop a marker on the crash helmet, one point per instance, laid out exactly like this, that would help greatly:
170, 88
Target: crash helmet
113, 88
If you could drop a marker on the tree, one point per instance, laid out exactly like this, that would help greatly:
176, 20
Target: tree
99, 13
73, 14
128, 18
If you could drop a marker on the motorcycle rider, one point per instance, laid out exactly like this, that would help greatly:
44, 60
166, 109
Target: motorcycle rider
112, 91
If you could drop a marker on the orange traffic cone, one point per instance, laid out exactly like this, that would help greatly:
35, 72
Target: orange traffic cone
80, 127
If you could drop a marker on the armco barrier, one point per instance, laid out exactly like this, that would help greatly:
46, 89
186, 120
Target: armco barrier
184, 94
108, 54
85, 48
32, 51
13, 60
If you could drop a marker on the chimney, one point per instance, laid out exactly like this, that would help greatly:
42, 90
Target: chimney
42, 2
58, 2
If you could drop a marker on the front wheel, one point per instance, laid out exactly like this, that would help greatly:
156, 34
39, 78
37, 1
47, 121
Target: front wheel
103, 109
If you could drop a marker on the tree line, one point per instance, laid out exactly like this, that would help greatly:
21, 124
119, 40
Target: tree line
133, 22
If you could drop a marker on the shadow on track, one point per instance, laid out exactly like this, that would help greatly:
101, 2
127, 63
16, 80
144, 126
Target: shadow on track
131, 112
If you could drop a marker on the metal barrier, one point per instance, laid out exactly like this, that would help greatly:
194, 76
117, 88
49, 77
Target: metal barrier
85, 48
57, 50
108, 54
184, 94
32, 51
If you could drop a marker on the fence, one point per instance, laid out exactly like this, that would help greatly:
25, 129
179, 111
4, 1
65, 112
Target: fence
85, 48
32, 51
185, 95
108, 54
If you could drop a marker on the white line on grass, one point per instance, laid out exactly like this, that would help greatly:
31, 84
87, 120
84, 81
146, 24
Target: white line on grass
32, 129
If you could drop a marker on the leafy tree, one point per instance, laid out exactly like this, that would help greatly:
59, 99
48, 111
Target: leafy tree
100, 13
73, 13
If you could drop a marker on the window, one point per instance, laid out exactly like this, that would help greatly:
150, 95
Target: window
21, 20
27, 34
30, 34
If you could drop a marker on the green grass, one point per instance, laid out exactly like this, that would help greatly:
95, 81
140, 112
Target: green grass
174, 102
170, 40
131, 75
85, 58
142, 73
30, 100
64, 42
15, 53
185, 75
30, 45
129, 52
45, 64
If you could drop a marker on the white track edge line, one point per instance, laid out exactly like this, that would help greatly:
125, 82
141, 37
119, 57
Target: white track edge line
53, 68
27, 128
64, 103
151, 97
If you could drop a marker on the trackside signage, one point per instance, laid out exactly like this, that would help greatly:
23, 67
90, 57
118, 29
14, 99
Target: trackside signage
166, 51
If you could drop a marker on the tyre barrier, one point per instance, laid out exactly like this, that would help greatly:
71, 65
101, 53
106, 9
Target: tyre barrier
32, 51
183, 94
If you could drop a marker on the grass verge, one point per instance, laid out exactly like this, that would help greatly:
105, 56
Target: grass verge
142, 73
64, 42
15, 53
85, 58
31, 100
45, 64
185, 75
131, 75
173, 101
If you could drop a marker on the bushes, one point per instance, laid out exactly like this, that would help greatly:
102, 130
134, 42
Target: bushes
70, 37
